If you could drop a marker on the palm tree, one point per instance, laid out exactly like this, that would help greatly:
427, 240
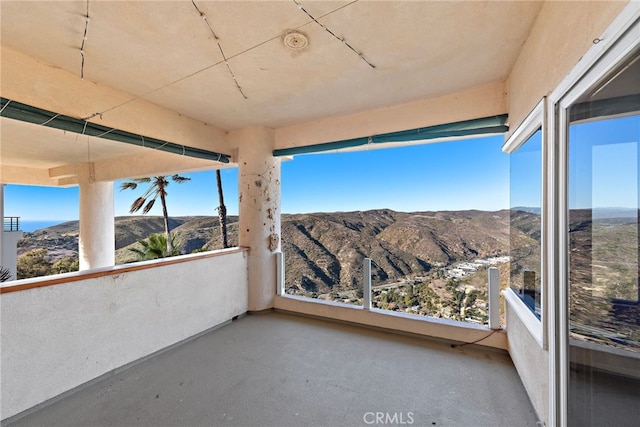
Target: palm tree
5, 274
154, 247
145, 202
222, 211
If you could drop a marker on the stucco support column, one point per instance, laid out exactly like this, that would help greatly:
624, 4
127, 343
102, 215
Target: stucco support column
259, 188
97, 238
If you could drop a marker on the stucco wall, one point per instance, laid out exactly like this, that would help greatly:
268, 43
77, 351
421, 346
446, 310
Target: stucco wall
531, 361
57, 337
562, 34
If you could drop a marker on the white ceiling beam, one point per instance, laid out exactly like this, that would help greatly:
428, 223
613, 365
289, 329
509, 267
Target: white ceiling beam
65, 171
153, 163
27, 176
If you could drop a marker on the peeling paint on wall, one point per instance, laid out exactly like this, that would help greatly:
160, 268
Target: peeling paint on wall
273, 242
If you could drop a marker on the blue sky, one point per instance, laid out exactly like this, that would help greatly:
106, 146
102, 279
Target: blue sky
463, 174
196, 197
526, 177
604, 163
454, 175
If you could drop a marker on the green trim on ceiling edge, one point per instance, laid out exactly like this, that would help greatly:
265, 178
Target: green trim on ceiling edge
486, 125
27, 113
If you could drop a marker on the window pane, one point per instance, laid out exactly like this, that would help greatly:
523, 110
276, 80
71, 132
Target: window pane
604, 311
525, 201
432, 218
603, 231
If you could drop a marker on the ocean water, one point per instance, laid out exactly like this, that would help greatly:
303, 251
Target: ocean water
37, 225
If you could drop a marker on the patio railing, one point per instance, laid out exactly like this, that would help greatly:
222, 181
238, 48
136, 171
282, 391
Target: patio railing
11, 223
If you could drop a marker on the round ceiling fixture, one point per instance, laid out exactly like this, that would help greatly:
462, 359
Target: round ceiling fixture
295, 40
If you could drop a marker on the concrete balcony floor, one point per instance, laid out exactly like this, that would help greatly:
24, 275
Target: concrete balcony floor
277, 369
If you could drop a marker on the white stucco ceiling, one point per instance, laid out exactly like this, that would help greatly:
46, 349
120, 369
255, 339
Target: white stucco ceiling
163, 52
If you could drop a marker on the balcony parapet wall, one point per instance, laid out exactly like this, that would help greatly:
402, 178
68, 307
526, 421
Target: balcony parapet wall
395, 322
62, 331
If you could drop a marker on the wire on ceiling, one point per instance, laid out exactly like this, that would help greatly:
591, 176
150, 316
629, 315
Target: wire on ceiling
84, 40
217, 39
90, 165
49, 121
5, 106
342, 39
208, 67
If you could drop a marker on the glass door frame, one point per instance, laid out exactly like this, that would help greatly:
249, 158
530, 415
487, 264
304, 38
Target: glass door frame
608, 52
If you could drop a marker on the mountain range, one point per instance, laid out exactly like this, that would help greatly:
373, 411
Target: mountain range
324, 254
324, 251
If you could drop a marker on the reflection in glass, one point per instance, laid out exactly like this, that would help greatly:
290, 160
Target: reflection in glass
525, 199
603, 232
614, 264
604, 311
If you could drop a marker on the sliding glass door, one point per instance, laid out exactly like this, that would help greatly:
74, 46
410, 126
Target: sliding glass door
601, 312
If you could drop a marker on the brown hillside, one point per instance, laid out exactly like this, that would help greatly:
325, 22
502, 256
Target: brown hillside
324, 251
